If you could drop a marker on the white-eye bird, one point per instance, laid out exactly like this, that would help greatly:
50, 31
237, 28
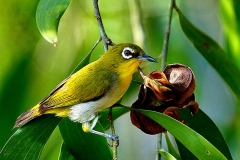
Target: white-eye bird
95, 87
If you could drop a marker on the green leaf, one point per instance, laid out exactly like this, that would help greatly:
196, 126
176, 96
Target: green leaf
116, 112
166, 155
213, 53
184, 152
65, 154
28, 141
171, 148
84, 145
203, 125
83, 63
230, 22
48, 16
193, 141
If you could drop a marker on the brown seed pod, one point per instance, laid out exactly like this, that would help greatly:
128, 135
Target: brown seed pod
165, 92
182, 79
148, 101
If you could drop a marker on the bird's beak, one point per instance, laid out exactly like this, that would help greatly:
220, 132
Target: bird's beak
145, 57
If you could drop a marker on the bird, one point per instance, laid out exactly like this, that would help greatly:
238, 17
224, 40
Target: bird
95, 87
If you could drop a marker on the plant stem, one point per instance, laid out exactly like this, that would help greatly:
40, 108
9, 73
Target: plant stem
164, 60
114, 143
167, 35
159, 146
86, 57
106, 41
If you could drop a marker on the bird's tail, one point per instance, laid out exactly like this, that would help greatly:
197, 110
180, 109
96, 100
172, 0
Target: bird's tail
27, 116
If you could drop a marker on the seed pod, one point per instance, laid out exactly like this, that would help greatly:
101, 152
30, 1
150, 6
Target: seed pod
182, 79
165, 92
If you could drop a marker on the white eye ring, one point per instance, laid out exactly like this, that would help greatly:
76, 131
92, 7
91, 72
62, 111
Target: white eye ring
127, 53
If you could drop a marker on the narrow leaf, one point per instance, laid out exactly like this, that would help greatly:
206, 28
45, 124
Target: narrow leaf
213, 53
48, 16
193, 141
28, 141
65, 154
171, 148
83, 145
166, 155
83, 63
184, 152
203, 125
230, 21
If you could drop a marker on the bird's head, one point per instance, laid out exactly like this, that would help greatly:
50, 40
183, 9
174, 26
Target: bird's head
126, 57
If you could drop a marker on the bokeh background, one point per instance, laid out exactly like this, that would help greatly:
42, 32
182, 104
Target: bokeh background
30, 67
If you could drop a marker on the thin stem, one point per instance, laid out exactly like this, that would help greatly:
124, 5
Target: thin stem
175, 6
114, 143
106, 41
159, 146
164, 60
78, 65
167, 35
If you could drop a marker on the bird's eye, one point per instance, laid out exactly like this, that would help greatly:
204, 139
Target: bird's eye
127, 53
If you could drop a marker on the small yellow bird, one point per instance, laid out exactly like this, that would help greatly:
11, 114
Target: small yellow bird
93, 88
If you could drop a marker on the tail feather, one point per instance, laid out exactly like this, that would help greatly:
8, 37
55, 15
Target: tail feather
27, 116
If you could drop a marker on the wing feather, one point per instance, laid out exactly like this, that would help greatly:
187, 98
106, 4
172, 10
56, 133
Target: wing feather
83, 86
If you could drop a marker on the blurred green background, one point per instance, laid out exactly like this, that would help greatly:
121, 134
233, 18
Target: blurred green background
30, 67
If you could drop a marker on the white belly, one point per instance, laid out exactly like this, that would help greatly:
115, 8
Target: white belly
85, 112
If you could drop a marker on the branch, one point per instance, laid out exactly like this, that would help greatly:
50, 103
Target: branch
106, 41
167, 35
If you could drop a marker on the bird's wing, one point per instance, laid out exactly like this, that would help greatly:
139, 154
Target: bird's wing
55, 89
78, 88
